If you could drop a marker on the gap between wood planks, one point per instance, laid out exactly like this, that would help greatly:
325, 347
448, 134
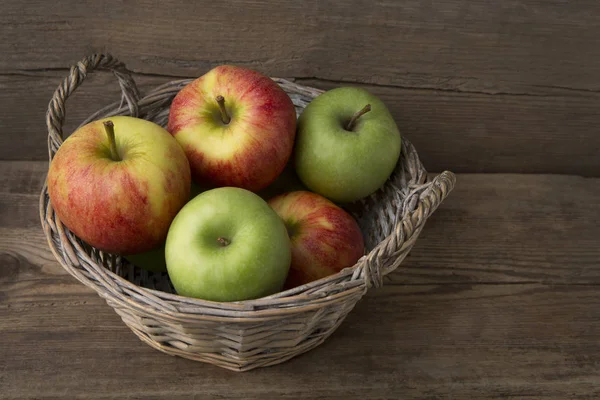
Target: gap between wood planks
494, 229
550, 90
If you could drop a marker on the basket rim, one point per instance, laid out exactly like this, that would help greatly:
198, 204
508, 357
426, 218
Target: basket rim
248, 314
295, 300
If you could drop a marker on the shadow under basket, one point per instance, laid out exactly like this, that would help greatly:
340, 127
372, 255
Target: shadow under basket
242, 335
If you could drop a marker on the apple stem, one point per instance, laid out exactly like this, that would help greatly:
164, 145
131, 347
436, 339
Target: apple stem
223, 242
356, 116
224, 116
109, 127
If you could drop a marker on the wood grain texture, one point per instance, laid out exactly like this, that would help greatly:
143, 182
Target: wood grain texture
513, 46
411, 342
513, 229
478, 86
457, 131
499, 299
476, 132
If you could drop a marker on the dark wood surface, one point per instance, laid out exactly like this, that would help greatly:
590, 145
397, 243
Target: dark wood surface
498, 299
478, 85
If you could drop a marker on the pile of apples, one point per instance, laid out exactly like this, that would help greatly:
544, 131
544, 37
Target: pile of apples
187, 200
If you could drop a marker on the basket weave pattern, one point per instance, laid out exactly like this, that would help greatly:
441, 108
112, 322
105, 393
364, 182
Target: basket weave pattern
240, 335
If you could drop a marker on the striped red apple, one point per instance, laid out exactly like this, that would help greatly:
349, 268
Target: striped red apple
325, 239
117, 184
236, 126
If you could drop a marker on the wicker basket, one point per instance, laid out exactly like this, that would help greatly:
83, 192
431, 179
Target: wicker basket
240, 335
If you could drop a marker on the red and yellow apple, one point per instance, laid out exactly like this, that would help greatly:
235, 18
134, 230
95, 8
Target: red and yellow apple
325, 239
237, 127
118, 183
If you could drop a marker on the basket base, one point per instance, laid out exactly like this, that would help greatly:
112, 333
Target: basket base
234, 360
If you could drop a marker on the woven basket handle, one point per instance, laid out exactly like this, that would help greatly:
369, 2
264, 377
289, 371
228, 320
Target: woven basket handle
432, 194
439, 188
55, 116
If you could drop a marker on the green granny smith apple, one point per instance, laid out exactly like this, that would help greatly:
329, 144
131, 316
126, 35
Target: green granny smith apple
227, 244
347, 144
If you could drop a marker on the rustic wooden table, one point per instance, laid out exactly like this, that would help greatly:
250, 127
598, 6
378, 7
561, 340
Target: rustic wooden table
498, 299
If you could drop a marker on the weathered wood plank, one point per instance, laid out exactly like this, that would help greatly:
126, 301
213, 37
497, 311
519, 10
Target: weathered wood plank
512, 228
469, 315
472, 132
463, 132
414, 342
494, 228
479, 86
24, 118
516, 46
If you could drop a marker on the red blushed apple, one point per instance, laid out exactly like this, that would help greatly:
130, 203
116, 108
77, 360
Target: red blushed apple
237, 127
325, 239
118, 184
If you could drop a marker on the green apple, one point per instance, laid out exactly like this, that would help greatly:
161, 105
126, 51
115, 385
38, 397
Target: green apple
227, 244
347, 144
117, 183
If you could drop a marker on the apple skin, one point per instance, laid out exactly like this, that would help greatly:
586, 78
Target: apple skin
325, 239
342, 165
253, 262
154, 260
254, 147
122, 207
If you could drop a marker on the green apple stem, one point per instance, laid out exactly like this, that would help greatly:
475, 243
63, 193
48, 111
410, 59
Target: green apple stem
356, 116
224, 116
223, 242
110, 132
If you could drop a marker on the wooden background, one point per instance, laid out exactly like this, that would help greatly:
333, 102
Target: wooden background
499, 298
479, 86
